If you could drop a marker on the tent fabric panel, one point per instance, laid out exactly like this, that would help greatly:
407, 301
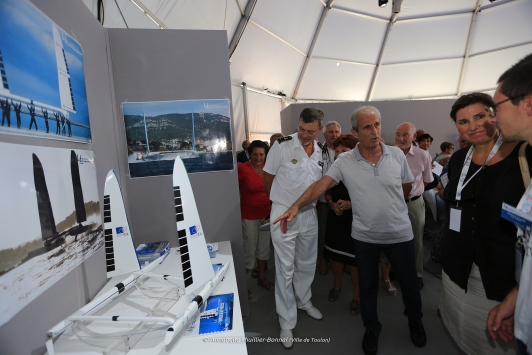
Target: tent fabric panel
264, 114
484, 70
424, 8
417, 80
427, 39
135, 18
294, 21
350, 37
368, 8
331, 80
503, 26
262, 61
238, 117
193, 14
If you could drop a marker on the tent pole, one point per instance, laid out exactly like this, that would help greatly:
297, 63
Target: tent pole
245, 104
468, 48
381, 54
241, 27
312, 44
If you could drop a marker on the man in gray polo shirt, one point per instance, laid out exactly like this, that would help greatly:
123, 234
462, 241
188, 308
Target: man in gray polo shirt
378, 179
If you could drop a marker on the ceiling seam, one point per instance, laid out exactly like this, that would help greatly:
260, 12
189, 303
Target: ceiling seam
468, 47
277, 37
324, 12
351, 12
343, 61
150, 14
241, 27
501, 49
239, 8
381, 55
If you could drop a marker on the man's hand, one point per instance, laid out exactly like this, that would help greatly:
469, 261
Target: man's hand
501, 318
344, 204
286, 217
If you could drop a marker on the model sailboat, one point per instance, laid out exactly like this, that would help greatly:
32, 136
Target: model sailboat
121, 259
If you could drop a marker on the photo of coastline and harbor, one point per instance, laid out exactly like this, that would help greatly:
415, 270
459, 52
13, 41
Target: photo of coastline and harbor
198, 131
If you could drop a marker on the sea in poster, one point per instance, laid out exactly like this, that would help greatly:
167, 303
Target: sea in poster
42, 92
50, 220
198, 131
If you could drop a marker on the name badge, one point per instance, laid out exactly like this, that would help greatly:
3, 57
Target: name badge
456, 216
519, 218
444, 179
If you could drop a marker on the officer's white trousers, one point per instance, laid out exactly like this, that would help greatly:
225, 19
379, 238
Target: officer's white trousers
295, 263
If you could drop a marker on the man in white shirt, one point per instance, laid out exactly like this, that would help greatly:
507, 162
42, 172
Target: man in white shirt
331, 131
419, 162
295, 162
513, 106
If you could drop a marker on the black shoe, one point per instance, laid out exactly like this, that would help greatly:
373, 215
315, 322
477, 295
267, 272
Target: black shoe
370, 343
420, 283
417, 333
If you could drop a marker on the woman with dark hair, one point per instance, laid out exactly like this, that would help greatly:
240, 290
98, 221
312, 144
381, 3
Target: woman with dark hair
424, 141
339, 246
478, 250
255, 207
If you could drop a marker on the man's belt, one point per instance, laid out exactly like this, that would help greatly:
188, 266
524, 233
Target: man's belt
412, 199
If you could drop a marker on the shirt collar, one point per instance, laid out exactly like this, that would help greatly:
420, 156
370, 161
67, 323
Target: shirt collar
297, 143
358, 156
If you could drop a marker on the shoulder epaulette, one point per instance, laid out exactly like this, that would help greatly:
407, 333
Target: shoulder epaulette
322, 147
284, 139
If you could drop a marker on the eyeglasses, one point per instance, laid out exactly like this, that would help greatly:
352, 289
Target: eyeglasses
302, 131
492, 111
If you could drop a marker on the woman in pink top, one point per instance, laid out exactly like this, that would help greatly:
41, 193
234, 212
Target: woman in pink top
255, 207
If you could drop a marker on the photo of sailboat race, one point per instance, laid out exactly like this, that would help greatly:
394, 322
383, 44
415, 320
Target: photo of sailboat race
198, 131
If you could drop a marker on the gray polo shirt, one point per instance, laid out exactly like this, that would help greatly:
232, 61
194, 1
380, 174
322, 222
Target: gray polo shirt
380, 214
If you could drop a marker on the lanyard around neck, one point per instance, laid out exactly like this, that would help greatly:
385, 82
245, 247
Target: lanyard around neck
462, 183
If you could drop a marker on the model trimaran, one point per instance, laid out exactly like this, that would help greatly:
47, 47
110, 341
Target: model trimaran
121, 259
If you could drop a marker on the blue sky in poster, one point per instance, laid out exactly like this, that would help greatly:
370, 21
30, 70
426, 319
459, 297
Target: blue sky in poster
186, 106
29, 57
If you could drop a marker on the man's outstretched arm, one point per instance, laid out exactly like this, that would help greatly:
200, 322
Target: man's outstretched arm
310, 194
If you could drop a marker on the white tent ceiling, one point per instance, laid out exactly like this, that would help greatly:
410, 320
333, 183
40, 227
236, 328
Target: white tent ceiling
425, 54
345, 50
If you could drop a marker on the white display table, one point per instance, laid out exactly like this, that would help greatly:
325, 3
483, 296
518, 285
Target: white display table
150, 338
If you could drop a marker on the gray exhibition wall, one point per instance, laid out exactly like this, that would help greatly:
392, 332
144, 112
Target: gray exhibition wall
155, 65
147, 65
430, 115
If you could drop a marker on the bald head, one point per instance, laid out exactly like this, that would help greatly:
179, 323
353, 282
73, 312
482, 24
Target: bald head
405, 135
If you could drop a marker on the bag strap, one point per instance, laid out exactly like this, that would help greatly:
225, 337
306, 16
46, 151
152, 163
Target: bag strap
523, 164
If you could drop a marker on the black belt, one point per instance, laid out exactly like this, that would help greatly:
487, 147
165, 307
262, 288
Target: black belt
412, 199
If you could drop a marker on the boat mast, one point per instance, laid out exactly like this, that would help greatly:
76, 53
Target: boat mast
193, 139
146, 131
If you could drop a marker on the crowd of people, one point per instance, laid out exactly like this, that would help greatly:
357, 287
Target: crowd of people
325, 202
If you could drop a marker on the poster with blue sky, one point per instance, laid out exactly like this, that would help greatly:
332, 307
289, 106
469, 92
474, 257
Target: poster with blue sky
42, 92
198, 131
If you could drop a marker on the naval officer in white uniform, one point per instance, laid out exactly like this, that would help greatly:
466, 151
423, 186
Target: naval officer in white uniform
294, 163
